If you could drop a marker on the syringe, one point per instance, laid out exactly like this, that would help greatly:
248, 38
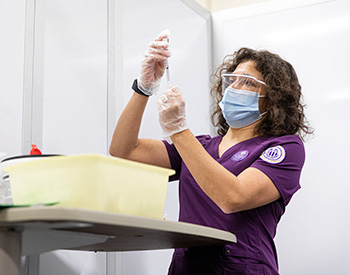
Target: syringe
167, 68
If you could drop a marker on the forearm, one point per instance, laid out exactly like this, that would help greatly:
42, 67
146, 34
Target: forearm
217, 182
125, 137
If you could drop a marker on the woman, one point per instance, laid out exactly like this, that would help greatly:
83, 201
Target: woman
238, 181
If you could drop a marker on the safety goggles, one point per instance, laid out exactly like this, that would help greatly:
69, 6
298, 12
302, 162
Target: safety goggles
242, 82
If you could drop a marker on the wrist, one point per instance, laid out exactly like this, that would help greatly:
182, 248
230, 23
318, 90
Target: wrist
136, 89
148, 88
180, 135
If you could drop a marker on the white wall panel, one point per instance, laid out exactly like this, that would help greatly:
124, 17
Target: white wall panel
313, 236
12, 30
75, 78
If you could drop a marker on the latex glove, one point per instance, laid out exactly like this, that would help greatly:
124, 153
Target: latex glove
171, 113
154, 63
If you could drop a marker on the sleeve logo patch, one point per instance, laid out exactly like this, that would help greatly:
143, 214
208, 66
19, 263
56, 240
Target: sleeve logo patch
274, 154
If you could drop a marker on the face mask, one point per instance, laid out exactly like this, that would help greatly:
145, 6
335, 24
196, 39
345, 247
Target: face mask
240, 108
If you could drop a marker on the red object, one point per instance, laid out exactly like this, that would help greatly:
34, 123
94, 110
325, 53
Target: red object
35, 150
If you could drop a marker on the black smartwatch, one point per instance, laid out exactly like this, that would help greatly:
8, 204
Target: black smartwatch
136, 88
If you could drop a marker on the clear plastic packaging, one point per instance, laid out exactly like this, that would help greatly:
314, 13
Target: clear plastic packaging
5, 186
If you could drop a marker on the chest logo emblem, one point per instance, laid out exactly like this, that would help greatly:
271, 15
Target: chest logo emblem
274, 154
241, 155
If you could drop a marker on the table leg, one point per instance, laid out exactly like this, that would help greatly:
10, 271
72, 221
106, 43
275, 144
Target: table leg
10, 251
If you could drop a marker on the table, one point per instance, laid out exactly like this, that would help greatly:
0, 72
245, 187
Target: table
34, 230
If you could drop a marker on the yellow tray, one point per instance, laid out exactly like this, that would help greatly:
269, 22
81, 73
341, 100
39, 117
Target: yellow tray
92, 182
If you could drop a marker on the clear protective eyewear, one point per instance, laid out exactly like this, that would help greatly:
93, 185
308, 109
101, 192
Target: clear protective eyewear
242, 82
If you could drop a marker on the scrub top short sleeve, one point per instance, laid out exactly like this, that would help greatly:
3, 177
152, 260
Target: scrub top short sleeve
282, 163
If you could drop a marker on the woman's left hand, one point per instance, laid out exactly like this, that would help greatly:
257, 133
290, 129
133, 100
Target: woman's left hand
171, 112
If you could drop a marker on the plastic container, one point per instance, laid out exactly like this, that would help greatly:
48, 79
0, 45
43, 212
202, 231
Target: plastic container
91, 182
5, 184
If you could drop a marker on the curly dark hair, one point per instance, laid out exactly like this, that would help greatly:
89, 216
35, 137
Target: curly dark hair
285, 112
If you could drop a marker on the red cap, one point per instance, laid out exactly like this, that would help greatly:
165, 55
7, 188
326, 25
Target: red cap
35, 150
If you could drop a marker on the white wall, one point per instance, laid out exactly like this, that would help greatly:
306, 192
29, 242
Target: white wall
75, 77
12, 30
313, 236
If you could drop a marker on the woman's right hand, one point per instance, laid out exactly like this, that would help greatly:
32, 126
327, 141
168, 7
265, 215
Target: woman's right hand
154, 63
171, 112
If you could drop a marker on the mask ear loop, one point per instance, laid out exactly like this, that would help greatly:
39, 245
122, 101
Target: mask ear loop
264, 113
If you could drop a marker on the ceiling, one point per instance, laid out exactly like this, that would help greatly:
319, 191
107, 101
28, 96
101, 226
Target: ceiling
217, 5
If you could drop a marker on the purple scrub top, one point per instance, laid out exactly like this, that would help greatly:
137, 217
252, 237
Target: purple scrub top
281, 159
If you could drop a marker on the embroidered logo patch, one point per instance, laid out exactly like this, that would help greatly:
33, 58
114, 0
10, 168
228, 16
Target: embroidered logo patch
241, 155
274, 154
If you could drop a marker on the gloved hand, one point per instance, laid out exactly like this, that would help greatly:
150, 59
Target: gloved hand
154, 63
171, 112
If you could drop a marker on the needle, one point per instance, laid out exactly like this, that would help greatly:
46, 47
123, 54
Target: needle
167, 68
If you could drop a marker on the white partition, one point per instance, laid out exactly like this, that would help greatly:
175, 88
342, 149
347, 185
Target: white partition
75, 77
313, 236
12, 30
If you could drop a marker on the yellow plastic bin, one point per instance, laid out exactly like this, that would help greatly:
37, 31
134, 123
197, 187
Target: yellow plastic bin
91, 182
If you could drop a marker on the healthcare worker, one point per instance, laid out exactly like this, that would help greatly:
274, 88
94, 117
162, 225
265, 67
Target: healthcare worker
240, 180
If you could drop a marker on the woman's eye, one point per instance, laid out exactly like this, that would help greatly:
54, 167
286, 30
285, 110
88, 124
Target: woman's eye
250, 83
232, 80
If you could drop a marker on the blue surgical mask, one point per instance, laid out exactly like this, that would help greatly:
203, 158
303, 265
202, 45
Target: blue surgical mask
240, 108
